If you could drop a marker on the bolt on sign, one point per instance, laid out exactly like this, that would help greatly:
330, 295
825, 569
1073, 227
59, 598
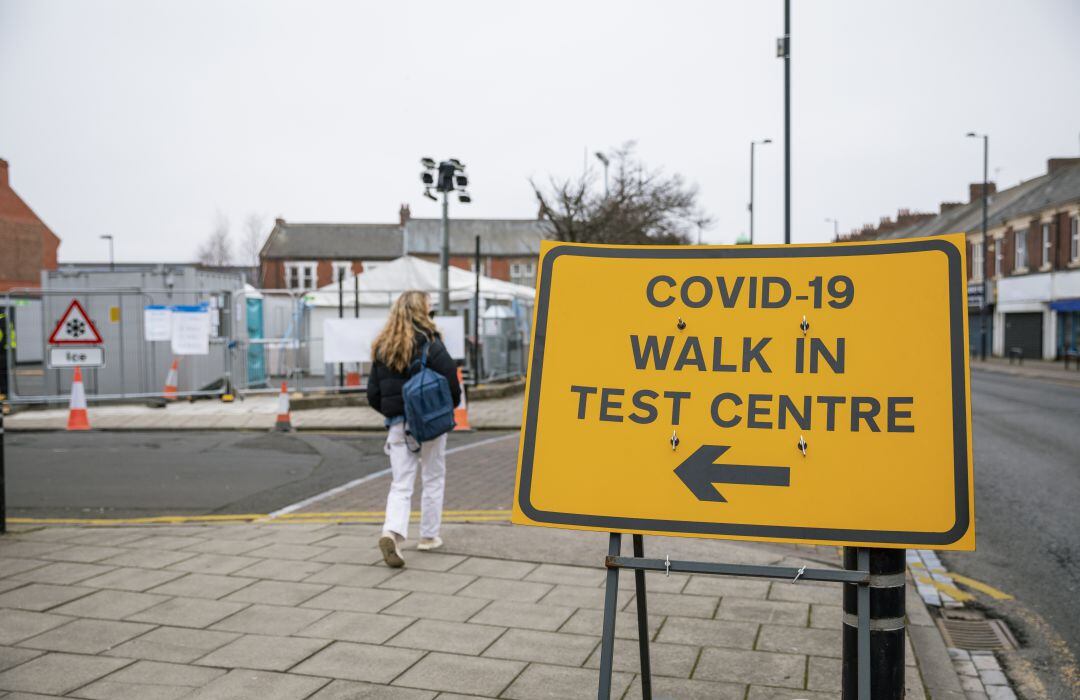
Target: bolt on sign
803, 393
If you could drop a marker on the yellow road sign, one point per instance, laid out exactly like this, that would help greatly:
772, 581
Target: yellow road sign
814, 393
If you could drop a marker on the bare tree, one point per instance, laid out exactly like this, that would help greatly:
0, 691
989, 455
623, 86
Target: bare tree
216, 250
251, 240
640, 206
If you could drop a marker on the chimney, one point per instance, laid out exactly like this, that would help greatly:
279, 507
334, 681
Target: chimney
279, 222
3, 173
975, 192
1055, 164
404, 214
949, 206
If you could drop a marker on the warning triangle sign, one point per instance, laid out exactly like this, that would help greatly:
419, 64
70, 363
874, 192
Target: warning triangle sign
75, 328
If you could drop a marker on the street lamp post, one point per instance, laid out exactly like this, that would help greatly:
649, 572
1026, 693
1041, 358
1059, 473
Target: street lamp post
751, 205
446, 177
983, 307
835, 228
112, 261
606, 161
783, 50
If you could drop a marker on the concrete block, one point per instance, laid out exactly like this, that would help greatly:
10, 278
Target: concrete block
541, 682
58, 674
768, 611
462, 674
277, 592
210, 586
715, 633
687, 689
494, 568
62, 573
626, 627
574, 575
358, 575
359, 662
674, 660
86, 553
129, 578
589, 597
351, 690
148, 558
757, 667
451, 637
362, 627
428, 581
259, 684
682, 605
543, 647
86, 636
826, 617
823, 674
523, 615
262, 652
354, 599
505, 589
214, 564
173, 644
287, 551
41, 596
434, 606
656, 582
188, 612
270, 619
11, 656
282, 570
800, 640
110, 605
17, 625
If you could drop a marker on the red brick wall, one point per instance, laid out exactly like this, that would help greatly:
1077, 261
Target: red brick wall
27, 246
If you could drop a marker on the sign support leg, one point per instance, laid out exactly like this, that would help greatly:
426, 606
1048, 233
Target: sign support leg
611, 597
642, 621
873, 656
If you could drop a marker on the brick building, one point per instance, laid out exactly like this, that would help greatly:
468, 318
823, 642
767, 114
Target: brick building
309, 256
1031, 259
28, 244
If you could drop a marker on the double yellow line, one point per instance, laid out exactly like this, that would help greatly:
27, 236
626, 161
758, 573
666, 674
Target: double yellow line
357, 516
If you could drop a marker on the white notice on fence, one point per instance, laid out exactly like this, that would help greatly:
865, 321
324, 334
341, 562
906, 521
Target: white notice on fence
349, 339
190, 330
452, 330
157, 323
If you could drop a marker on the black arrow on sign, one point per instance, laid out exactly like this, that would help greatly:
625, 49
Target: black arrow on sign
699, 472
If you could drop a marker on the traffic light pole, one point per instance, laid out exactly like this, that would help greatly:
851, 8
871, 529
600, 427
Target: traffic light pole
444, 258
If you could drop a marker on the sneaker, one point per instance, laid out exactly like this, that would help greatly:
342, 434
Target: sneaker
429, 543
390, 552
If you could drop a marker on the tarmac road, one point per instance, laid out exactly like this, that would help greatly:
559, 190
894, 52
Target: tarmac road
141, 474
1027, 510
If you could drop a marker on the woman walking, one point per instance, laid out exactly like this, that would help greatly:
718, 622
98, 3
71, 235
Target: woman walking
408, 331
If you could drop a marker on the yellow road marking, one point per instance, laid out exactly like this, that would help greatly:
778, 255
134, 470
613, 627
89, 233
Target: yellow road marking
986, 588
363, 516
946, 588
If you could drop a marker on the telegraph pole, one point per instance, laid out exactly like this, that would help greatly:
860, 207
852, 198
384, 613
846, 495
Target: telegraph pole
984, 306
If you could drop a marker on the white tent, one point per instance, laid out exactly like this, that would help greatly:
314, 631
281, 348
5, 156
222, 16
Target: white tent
378, 288
382, 285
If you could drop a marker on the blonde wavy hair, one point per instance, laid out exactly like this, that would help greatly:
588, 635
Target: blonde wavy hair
396, 342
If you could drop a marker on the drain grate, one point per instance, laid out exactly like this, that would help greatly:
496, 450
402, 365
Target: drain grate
977, 635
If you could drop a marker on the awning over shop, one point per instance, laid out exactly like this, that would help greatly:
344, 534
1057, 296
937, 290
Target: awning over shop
1066, 305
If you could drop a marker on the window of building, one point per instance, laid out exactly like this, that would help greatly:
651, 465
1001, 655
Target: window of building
523, 273
342, 268
977, 264
999, 256
1047, 251
483, 266
300, 275
1021, 259
1074, 240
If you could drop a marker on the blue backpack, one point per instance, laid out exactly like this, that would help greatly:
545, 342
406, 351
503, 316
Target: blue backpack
429, 408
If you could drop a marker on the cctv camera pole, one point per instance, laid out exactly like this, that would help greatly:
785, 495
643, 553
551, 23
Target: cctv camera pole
783, 50
444, 258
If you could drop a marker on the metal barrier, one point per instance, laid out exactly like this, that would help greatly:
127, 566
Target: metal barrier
258, 339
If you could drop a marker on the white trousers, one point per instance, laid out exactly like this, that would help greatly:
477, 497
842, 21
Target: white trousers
403, 465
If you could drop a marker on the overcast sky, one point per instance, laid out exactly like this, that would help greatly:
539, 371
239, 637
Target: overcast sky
144, 119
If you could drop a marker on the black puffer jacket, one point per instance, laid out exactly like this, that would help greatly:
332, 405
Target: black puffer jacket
384, 384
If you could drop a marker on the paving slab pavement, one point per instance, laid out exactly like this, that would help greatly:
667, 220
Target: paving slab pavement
307, 610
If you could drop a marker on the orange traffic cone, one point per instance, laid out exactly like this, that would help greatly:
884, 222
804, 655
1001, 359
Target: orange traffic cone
461, 411
171, 380
77, 418
284, 422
